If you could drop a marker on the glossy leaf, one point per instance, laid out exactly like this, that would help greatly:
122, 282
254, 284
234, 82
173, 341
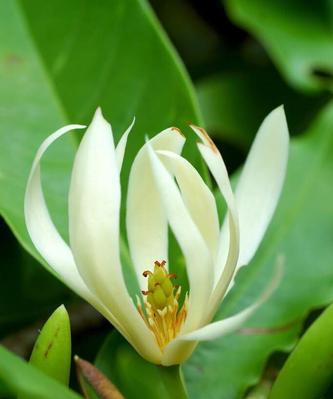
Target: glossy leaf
55, 69
24, 379
301, 231
134, 376
296, 33
52, 349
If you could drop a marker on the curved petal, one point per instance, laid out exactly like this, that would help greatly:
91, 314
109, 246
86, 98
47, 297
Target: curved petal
233, 323
120, 149
146, 222
198, 199
227, 260
47, 239
261, 181
42, 231
193, 246
94, 202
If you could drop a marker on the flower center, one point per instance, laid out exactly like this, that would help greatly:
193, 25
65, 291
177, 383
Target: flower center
162, 314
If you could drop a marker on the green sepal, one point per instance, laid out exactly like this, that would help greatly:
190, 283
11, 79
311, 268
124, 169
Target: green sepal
52, 349
308, 372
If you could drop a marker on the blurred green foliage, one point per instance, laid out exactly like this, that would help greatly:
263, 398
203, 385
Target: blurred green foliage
59, 60
296, 33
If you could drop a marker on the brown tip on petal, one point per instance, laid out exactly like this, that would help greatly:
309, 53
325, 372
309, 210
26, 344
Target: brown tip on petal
206, 138
175, 129
96, 379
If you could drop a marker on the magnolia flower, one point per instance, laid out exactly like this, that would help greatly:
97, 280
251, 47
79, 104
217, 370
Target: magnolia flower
164, 189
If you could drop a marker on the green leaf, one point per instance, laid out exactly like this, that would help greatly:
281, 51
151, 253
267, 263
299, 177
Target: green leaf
134, 376
301, 231
308, 372
52, 350
24, 379
234, 103
296, 33
58, 62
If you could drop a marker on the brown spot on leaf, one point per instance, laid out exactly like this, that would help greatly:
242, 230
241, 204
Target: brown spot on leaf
49, 347
12, 60
46, 353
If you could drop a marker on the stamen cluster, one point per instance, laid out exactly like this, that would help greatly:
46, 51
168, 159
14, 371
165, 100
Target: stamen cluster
161, 305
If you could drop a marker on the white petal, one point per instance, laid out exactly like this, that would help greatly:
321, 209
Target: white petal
120, 149
147, 227
42, 231
177, 352
261, 181
225, 262
194, 248
45, 236
94, 203
233, 323
198, 199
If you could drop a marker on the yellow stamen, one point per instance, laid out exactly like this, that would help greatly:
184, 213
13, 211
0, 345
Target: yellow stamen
162, 314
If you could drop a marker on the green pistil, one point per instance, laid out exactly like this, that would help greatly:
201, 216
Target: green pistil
160, 287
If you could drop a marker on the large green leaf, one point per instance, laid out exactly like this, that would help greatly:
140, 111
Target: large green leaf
302, 231
58, 62
296, 33
24, 379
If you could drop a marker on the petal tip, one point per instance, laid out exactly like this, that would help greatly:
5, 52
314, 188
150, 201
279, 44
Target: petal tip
99, 117
98, 113
177, 130
278, 115
99, 124
204, 137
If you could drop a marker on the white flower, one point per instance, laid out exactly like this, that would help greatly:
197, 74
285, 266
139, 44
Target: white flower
164, 189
